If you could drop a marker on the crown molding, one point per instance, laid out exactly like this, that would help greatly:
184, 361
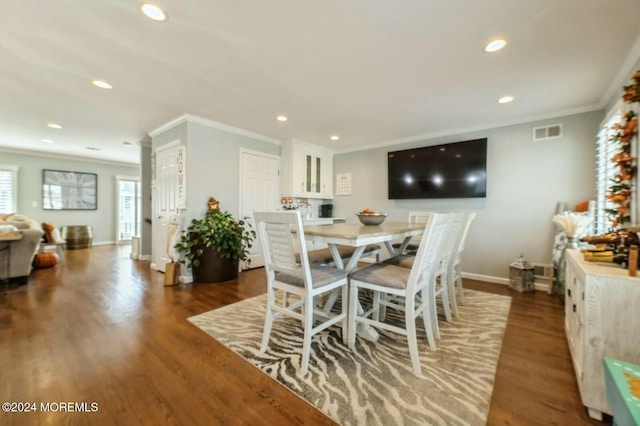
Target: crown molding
167, 126
615, 89
460, 131
188, 118
33, 152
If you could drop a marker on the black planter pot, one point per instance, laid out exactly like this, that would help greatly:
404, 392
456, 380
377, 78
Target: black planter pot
213, 268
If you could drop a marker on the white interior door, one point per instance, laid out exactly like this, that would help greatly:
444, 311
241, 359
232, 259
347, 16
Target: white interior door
165, 202
258, 191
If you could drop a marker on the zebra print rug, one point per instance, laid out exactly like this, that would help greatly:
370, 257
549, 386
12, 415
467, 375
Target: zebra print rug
375, 383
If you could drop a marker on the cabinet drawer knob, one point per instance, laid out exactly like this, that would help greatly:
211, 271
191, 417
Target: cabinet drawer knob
574, 307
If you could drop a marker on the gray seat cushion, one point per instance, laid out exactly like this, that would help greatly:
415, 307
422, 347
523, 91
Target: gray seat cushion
383, 274
323, 256
404, 260
320, 275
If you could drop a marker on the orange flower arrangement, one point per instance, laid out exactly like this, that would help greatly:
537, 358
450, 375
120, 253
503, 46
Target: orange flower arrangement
619, 192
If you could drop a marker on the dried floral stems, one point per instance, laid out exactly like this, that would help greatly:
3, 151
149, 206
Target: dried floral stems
572, 224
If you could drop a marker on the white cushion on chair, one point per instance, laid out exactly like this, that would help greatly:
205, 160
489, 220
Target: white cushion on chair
383, 274
320, 276
323, 256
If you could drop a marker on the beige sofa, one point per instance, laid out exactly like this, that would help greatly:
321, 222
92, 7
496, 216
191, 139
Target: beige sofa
22, 251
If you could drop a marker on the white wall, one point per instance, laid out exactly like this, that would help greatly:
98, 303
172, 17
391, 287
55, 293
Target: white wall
103, 220
525, 181
213, 167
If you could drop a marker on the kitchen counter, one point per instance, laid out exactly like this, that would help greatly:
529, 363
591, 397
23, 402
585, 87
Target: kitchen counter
322, 220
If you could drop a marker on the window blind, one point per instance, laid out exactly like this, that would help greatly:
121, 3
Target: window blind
8, 189
605, 172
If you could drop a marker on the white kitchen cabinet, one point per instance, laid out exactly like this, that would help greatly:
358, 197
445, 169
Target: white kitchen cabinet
602, 319
307, 171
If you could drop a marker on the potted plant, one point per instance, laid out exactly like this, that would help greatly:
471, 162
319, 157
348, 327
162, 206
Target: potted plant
213, 246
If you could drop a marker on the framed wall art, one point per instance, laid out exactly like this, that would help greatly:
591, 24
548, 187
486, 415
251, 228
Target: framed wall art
63, 190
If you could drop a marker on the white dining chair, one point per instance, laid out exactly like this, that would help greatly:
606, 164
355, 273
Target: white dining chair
279, 234
397, 287
454, 272
414, 217
443, 276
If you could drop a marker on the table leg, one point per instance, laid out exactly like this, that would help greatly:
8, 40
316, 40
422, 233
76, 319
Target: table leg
363, 330
400, 250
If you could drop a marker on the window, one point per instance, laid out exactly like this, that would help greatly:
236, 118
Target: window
8, 189
129, 207
605, 172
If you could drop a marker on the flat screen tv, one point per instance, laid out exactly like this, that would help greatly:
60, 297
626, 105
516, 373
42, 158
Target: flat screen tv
455, 170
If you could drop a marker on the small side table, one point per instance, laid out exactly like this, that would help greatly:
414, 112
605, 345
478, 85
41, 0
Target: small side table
625, 406
5, 249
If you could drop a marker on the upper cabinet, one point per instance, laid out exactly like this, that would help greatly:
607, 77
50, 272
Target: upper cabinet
307, 171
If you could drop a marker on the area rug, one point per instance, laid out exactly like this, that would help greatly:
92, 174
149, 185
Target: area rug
375, 384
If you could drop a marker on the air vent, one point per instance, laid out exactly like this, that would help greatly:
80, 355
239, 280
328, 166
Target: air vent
543, 273
552, 131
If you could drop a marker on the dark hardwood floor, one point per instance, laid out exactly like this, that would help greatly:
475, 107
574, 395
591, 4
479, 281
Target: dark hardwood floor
103, 329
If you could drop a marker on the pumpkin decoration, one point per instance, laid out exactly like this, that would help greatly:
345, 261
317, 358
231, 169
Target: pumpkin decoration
45, 260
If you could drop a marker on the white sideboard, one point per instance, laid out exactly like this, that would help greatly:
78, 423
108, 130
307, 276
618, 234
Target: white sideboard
602, 319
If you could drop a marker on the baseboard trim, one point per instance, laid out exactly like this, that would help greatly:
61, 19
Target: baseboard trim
140, 256
497, 280
103, 243
485, 278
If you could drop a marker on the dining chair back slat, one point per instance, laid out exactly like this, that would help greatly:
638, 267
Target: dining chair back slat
289, 273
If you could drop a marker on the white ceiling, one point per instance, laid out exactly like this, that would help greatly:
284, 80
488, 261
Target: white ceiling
372, 71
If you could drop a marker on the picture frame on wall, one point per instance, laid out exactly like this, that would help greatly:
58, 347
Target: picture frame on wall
66, 190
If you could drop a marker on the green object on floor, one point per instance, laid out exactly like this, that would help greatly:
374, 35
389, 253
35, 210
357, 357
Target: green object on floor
620, 377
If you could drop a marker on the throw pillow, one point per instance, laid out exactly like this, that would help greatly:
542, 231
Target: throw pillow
4, 217
8, 229
48, 229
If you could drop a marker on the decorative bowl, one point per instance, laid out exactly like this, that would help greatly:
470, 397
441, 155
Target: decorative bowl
371, 219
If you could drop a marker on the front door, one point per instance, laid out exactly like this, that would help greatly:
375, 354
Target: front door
259, 191
165, 202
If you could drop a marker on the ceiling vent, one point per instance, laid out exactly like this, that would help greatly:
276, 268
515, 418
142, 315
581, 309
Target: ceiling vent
552, 131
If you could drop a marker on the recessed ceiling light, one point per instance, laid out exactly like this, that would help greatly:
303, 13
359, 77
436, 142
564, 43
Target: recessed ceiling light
47, 141
505, 99
102, 84
54, 126
282, 118
335, 137
153, 12
93, 148
495, 45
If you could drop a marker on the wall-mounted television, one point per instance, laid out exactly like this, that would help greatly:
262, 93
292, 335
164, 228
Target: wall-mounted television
454, 170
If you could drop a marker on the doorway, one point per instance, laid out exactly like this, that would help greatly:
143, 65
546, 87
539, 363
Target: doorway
129, 207
165, 201
259, 189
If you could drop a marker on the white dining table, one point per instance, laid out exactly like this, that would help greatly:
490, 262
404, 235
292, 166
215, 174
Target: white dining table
359, 236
